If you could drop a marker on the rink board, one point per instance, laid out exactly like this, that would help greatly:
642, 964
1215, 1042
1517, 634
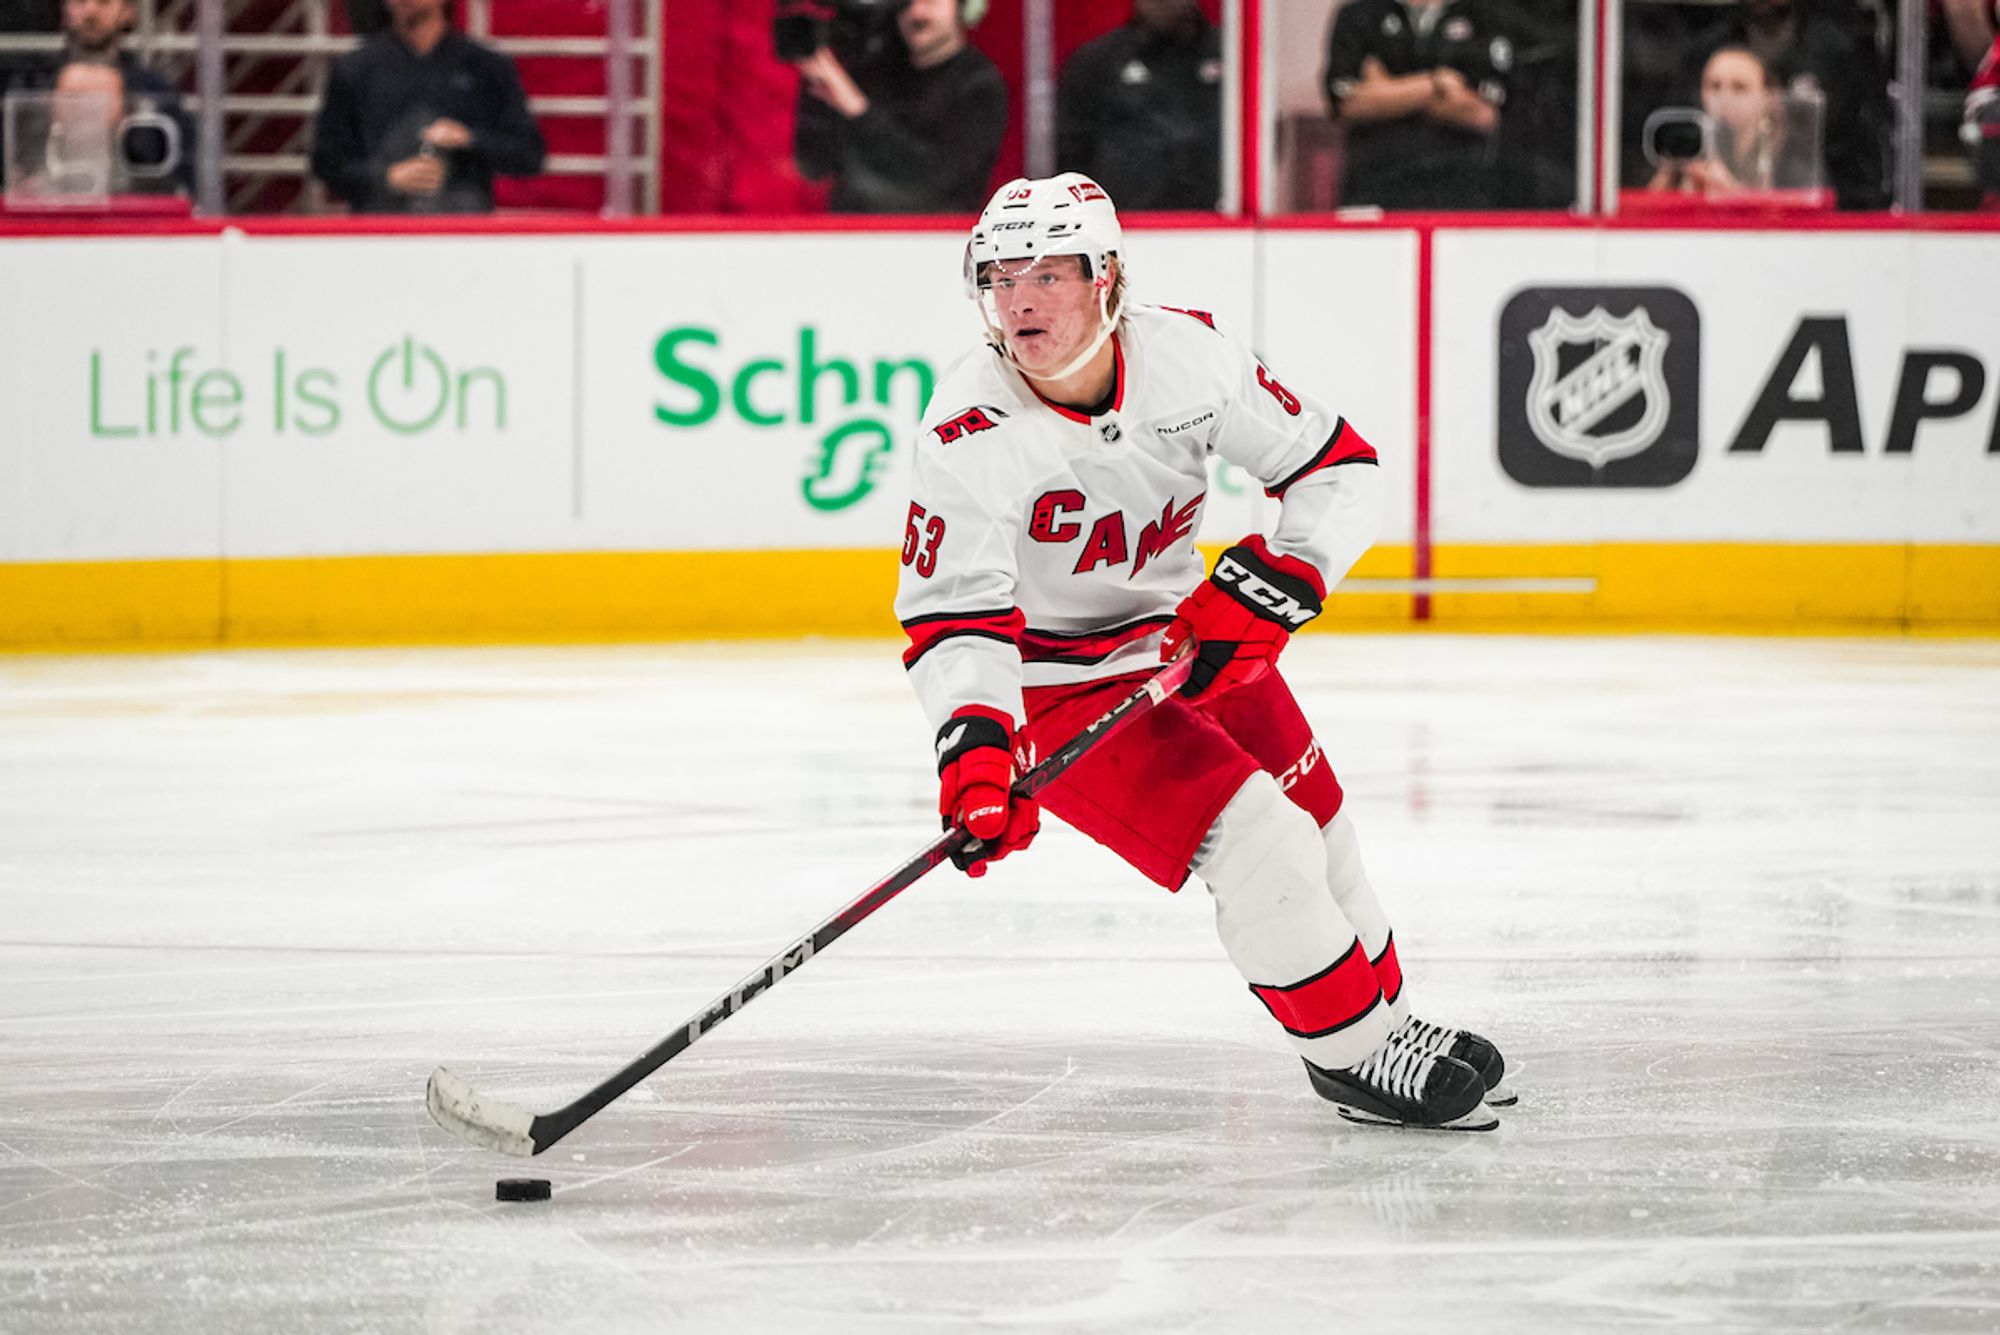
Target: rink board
404, 438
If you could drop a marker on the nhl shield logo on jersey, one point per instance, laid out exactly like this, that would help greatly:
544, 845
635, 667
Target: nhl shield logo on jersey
1599, 387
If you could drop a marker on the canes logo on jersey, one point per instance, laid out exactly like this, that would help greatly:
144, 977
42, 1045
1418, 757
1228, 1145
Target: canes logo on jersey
1599, 387
980, 417
1106, 545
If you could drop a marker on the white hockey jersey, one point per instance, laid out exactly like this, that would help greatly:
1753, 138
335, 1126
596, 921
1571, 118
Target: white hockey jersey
1044, 546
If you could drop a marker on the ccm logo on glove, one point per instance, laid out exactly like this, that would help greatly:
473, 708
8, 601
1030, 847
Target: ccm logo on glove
1241, 617
976, 773
1265, 591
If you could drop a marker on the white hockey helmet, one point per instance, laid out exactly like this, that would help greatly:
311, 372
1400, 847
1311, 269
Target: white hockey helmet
1068, 214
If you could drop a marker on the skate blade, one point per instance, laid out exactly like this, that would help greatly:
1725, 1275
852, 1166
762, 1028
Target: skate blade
1500, 1096
1479, 1119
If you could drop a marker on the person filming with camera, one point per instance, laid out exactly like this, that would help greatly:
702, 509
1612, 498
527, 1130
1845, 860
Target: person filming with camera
895, 105
150, 133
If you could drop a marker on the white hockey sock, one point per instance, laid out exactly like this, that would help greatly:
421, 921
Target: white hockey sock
1355, 894
1265, 864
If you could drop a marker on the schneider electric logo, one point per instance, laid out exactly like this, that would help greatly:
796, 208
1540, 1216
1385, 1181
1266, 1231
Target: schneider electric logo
407, 387
847, 404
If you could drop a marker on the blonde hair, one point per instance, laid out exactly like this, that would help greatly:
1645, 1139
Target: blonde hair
1115, 306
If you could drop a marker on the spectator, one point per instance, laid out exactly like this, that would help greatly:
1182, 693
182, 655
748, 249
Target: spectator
1419, 84
421, 118
1981, 128
365, 18
1535, 146
1970, 25
1752, 148
914, 126
1140, 109
1823, 50
94, 35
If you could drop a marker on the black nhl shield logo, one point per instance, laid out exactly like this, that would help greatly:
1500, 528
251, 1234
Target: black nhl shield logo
1599, 386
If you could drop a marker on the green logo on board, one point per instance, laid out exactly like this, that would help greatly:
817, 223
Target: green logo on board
771, 392
410, 388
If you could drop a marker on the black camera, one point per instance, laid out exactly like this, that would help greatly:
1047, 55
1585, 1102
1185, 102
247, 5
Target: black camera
851, 27
148, 143
1677, 135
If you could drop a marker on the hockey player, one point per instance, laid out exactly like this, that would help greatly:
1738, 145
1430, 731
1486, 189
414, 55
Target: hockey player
1049, 565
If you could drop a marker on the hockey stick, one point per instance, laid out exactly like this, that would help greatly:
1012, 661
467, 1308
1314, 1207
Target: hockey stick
462, 1110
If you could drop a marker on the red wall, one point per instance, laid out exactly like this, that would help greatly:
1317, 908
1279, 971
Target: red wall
557, 76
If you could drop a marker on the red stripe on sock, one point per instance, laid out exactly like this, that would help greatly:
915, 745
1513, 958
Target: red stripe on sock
1328, 1001
1389, 970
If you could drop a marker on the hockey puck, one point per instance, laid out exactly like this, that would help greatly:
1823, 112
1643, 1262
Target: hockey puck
521, 1189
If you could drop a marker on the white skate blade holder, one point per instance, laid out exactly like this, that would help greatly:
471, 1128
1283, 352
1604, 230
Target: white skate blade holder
1480, 1118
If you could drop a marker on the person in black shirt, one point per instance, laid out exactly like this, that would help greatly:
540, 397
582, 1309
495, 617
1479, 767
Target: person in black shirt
421, 118
915, 127
365, 18
1139, 109
1821, 49
1420, 84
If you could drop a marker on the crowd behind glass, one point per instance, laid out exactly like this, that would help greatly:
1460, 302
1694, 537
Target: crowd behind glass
1381, 104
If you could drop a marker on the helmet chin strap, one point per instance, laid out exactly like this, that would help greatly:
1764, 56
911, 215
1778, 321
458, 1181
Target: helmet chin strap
1105, 324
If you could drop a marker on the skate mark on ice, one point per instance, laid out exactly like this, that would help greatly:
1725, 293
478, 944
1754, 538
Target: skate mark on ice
941, 1138
68, 1177
181, 1142
568, 1188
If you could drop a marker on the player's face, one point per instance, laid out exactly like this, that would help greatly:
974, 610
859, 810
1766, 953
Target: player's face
1046, 309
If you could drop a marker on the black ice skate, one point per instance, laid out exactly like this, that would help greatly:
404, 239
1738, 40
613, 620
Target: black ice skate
1466, 1046
1406, 1085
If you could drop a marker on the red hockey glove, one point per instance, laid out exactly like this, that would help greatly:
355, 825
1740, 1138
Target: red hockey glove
1240, 618
976, 773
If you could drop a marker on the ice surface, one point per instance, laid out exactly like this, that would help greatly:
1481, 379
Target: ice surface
1731, 907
